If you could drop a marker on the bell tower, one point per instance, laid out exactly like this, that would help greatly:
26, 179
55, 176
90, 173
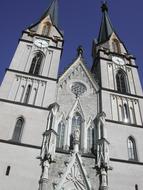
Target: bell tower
117, 74
120, 98
28, 88
34, 67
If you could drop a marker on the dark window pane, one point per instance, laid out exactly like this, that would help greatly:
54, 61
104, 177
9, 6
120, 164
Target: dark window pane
27, 95
7, 171
132, 149
36, 64
18, 130
31, 71
121, 82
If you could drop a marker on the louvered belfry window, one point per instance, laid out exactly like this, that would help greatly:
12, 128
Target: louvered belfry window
121, 81
36, 64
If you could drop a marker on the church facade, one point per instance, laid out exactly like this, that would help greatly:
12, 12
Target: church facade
79, 131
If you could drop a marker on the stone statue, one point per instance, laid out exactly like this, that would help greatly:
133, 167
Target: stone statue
77, 135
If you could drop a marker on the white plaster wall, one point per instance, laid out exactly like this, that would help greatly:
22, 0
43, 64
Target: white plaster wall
137, 82
21, 55
118, 135
7, 85
34, 126
124, 176
104, 74
25, 170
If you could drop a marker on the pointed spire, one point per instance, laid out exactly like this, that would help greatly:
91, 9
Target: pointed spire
106, 28
53, 12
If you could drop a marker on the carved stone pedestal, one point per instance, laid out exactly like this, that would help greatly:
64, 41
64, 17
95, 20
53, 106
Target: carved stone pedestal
43, 184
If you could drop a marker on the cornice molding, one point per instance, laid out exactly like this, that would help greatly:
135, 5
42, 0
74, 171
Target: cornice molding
36, 76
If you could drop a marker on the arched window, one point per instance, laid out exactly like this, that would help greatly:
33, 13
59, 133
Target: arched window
132, 149
126, 113
36, 64
90, 138
35, 95
136, 187
8, 171
116, 46
61, 134
121, 81
121, 113
22, 92
76, 124
133, 117
27, 95
18, 130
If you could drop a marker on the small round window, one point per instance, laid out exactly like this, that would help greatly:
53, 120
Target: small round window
78, 88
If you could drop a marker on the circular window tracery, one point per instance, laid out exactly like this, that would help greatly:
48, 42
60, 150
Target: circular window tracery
78, 88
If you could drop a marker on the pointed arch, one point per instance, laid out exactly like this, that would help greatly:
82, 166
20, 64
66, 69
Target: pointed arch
133, 115
76, 121
61, 135
76, 124
36, 64
27, 94
122, 81
17, 134
132, 152
126, 115
116, 46
90, 138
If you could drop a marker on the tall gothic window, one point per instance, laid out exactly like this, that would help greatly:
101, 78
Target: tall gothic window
116, 46
36, 64
121, 81
132, 149
18, 130
76, 124
27, 95
61, 134
90, 137
126, 113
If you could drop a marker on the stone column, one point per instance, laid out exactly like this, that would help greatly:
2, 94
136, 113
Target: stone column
103, 182
43, 183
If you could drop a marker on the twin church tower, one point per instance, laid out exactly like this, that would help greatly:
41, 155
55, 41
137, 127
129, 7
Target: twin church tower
80, 131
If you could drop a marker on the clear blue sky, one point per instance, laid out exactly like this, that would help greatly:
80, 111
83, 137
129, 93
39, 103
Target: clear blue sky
80, 21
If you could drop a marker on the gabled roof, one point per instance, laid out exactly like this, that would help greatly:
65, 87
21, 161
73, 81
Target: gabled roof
74, 175
76, 107
52, 11
80, 61
106, 28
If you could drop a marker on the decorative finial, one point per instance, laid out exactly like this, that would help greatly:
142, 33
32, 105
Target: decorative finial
80, 51
104, 6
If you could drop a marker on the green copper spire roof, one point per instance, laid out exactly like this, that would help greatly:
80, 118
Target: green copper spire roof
106, 28
53, 12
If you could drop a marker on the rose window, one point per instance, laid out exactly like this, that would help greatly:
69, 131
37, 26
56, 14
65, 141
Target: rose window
78, 88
